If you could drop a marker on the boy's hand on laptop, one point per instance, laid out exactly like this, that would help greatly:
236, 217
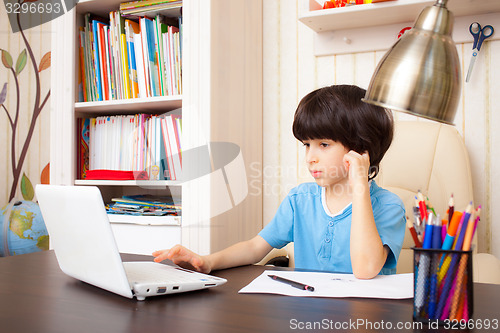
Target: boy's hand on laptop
183, 257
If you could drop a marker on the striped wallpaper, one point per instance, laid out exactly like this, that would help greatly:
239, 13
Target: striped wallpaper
291, 70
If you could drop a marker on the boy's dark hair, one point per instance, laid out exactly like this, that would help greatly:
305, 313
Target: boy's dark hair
337, 113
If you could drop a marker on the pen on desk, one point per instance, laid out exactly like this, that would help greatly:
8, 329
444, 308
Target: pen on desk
292, 283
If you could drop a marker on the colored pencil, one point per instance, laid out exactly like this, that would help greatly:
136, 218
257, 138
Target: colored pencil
421, 205
452, 230
413, 233
451, 207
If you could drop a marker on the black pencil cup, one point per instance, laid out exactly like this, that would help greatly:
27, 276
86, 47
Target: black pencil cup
443, 289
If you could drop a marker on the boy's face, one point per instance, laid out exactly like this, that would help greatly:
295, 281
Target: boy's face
324, 160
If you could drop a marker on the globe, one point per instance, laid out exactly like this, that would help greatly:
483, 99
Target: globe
27, 232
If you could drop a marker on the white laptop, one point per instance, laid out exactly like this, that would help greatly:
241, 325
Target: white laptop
83, 241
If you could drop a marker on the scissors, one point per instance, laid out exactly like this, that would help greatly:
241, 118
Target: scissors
479, 34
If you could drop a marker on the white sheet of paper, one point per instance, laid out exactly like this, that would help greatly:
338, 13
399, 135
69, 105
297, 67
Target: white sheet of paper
396, 286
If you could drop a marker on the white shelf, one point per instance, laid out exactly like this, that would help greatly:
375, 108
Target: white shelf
386, 13
140, 183
157, 104
145, 220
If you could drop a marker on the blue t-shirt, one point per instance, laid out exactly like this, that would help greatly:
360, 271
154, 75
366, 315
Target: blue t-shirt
321, 241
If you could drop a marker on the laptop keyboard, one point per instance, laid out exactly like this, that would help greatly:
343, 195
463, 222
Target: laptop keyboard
159, 273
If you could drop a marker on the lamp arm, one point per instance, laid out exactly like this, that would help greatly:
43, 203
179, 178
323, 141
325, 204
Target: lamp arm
441, 3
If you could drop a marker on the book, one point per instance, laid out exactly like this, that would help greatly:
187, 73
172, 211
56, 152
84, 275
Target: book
150, 56
91, 56
148, 200
171, 140
96, 60
109, 63
174, 140
144, 3
102, 60
160, 29
141, 74
124, 65
163, 163
121, 58
130, 143
145, 57
168, 151
82, 82
115, 50
145, 205
153, 9
131, 29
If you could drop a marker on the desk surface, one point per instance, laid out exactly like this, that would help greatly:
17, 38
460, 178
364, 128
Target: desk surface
35, 296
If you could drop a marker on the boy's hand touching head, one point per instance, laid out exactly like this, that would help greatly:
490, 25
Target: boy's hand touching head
357, 166
183, 257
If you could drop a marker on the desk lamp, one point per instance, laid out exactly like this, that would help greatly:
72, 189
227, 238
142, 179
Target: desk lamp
420, 74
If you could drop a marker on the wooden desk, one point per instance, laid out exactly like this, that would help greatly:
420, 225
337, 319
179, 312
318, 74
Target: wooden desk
35, 296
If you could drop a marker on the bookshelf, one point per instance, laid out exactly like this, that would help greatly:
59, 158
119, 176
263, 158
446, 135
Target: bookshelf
221, 102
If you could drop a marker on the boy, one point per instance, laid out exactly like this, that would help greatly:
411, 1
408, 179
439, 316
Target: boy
343, 222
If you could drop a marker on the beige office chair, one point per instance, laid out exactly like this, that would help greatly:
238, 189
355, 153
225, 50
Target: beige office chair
432, 158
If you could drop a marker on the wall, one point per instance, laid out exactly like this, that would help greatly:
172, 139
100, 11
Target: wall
38, 152
291, 70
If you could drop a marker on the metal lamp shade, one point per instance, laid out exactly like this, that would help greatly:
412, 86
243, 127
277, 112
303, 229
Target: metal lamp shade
420, 74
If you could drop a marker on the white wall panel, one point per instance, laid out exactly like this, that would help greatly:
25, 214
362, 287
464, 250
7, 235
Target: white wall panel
494, 147
271, 107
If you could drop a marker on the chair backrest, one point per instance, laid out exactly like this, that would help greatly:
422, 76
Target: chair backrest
430, 157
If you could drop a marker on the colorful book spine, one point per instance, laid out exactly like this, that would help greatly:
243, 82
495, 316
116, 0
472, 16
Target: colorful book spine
103, 61
97, 64
83, 147
128, 59
82, 87
132, 28
141, 73
151, 57
143, 3
124, 65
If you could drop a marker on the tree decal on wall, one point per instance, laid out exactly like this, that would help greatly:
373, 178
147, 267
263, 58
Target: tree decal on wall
25, 57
